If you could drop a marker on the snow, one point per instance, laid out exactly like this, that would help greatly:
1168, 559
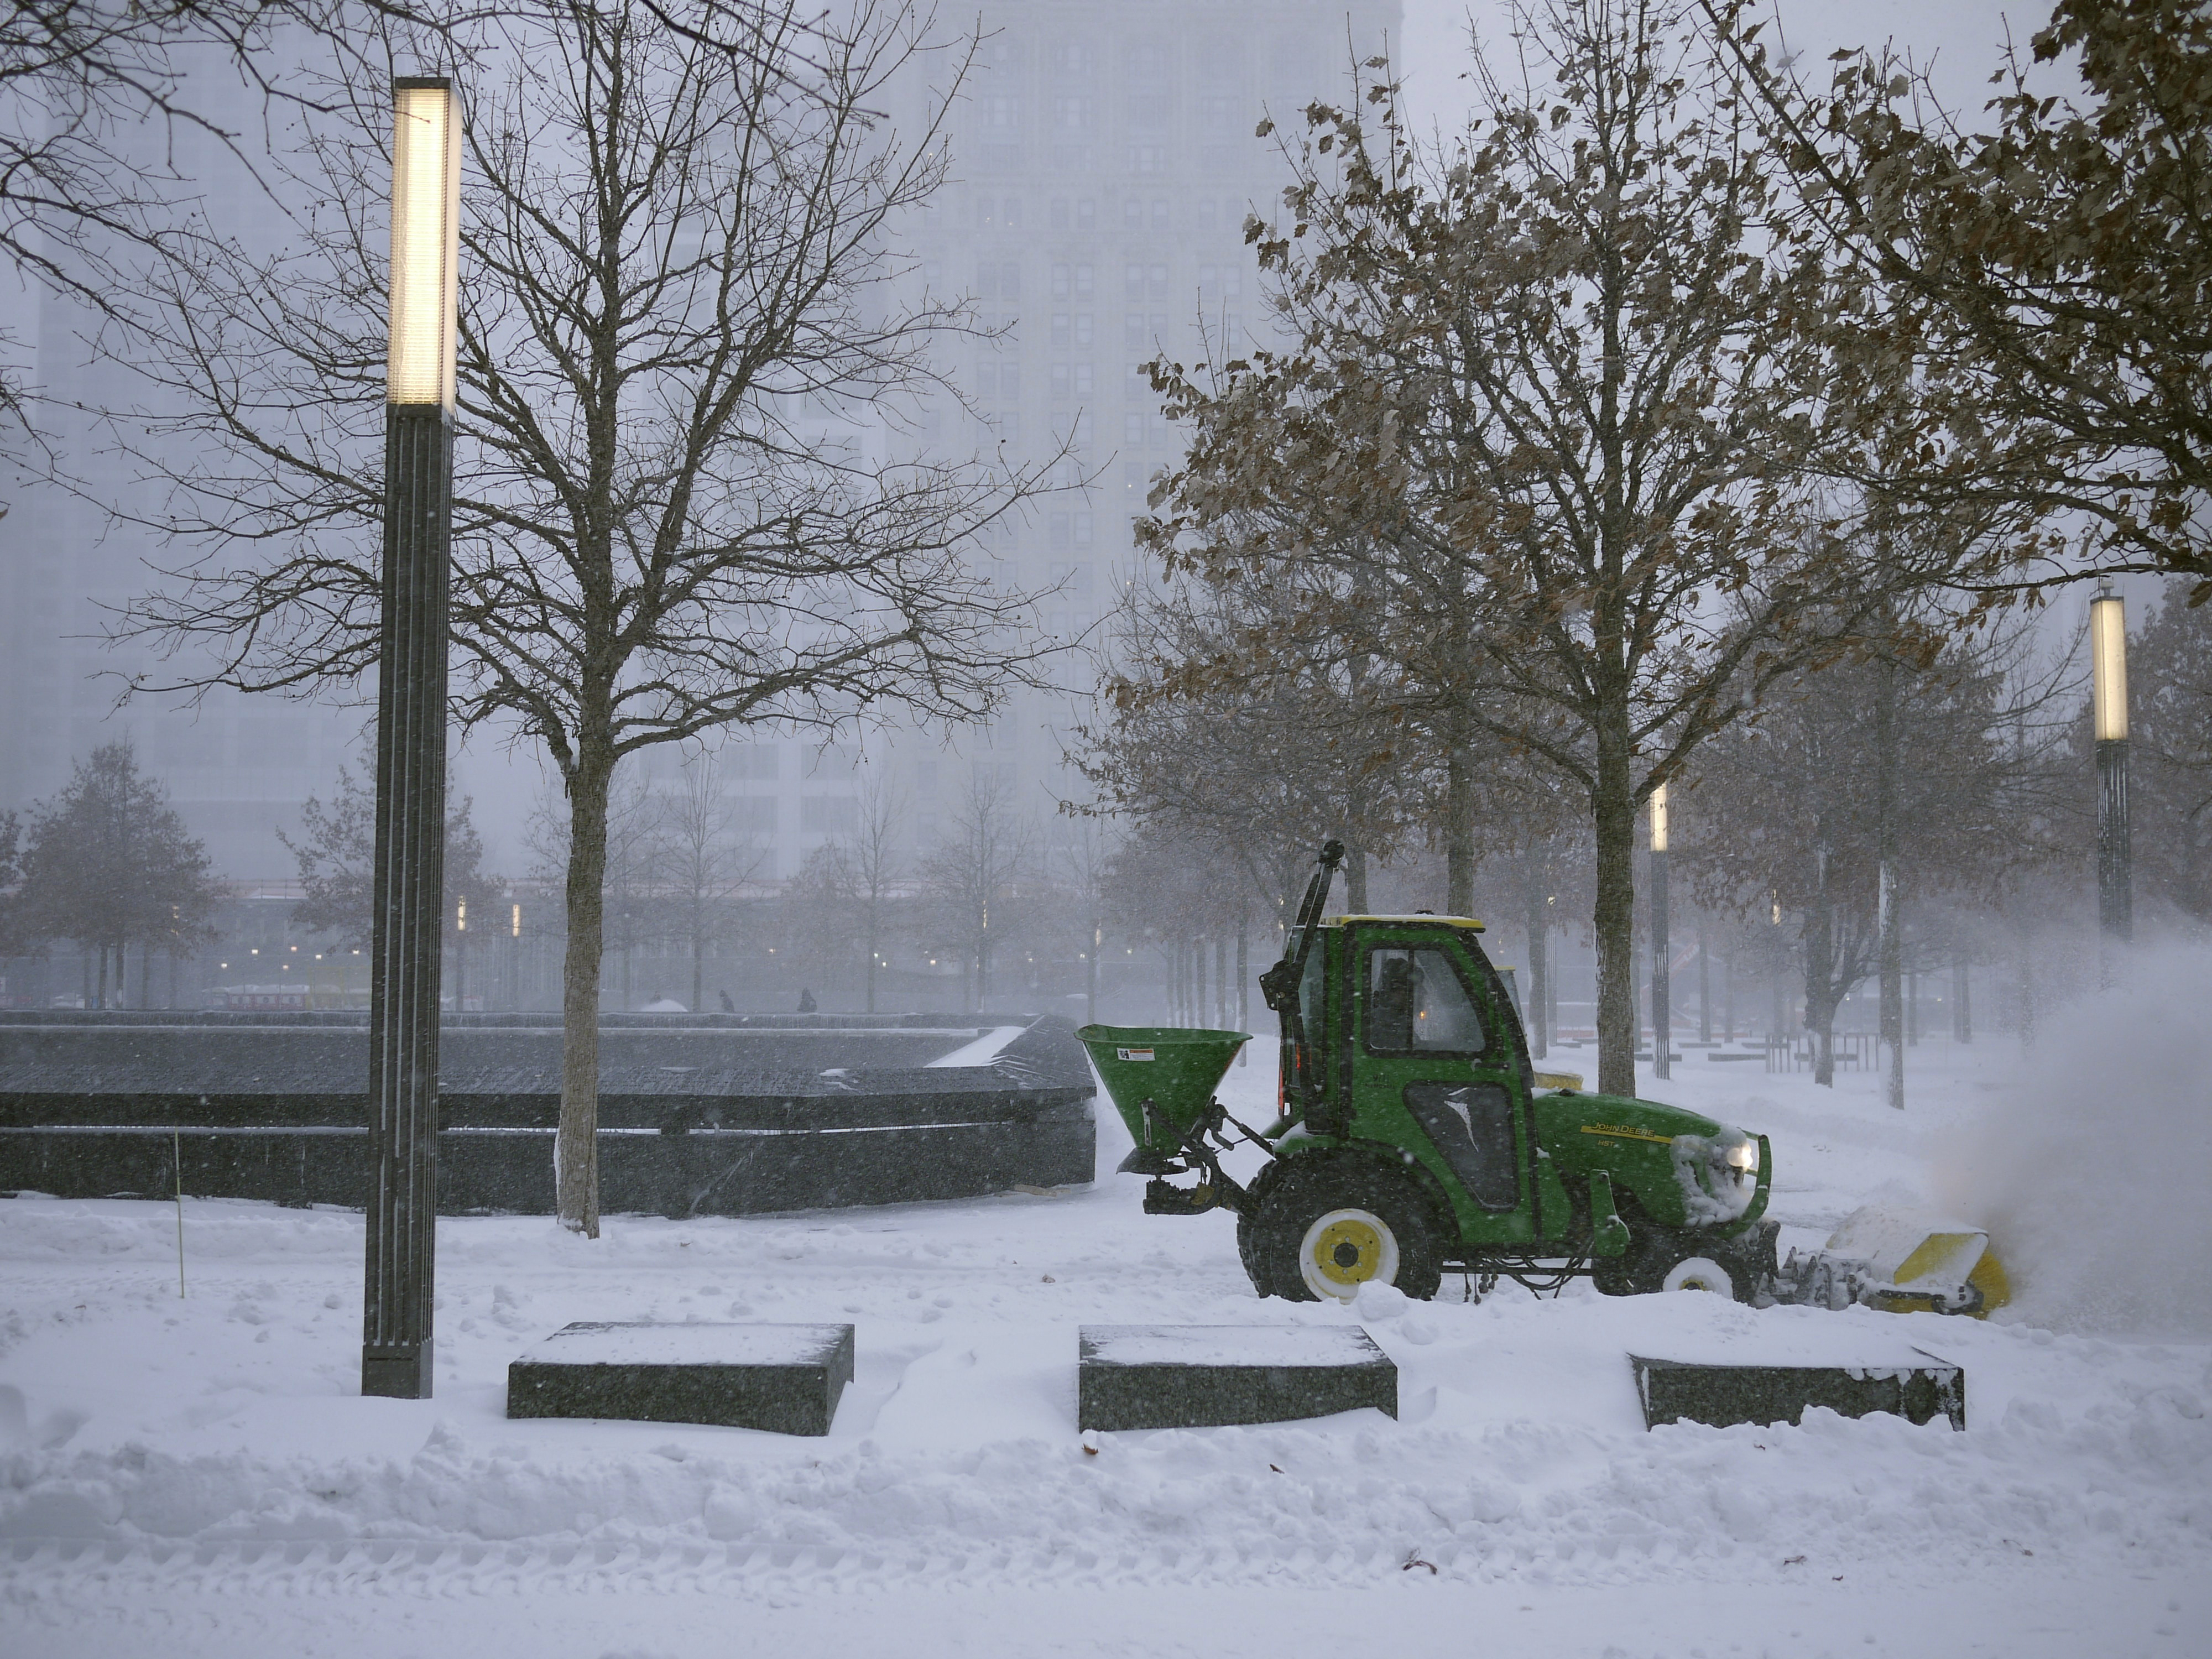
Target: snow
199, 1475
632, 1343
1287, 1346
983, 1050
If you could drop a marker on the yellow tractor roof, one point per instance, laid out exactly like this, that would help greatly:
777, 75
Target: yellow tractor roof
1468, 922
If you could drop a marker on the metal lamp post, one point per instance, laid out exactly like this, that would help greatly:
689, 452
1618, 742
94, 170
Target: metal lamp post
1661, 1009
408, 902
2108, 664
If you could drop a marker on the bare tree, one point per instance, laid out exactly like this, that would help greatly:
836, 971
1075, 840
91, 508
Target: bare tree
698, 858
1081, 861
677, 260
975, 874
2171, 789
98, 101
1915, 766
1259, 766
873, 868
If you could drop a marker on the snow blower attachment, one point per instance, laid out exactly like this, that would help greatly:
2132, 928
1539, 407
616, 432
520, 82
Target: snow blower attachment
1901, 1262
1414, 1138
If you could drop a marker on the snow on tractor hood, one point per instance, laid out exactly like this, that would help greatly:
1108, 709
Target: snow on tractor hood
1718, 1176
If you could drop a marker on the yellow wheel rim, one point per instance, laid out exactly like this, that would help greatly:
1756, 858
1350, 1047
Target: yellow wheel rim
1344, 1249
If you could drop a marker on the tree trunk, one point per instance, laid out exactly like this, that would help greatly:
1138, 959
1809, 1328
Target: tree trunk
1537, 920
1613, 919
1889, 934
1892, 948
101, 994
1090, 974
1705, 988
576, 1140
1355, 879
1962, 1007
699, 963
1820, 972
1244, 981
1198, 981
875, 932
1459, 833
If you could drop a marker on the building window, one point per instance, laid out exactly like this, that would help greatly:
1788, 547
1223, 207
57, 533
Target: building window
1002, 110
1147, 161
828, 815
1075, 113
1087, 213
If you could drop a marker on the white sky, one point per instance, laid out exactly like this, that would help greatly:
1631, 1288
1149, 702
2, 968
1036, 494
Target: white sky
1962, 39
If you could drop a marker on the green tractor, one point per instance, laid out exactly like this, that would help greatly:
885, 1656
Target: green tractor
1414, 1137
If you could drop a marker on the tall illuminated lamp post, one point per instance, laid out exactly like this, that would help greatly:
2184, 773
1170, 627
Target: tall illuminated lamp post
2108, 680
1662, 1012
409, 877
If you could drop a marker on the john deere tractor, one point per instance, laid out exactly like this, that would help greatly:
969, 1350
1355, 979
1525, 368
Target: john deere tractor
1414, 1135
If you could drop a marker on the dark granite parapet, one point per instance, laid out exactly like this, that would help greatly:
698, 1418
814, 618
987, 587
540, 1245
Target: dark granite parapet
90, 1109
1190, 1376
786, 1379
1917, 1387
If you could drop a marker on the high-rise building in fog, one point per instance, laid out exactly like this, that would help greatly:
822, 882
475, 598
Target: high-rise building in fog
238, 768
1103, 163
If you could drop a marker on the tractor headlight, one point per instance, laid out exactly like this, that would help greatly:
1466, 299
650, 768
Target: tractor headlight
1743, 1155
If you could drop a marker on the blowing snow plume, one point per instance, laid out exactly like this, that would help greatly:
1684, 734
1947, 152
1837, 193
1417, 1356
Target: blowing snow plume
2094, 1174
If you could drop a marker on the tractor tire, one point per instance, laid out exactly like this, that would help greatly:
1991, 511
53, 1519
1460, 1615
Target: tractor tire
1334, 1223
1659, 1259
1248, 1252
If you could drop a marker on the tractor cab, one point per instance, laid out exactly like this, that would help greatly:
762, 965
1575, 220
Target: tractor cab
1410, 1038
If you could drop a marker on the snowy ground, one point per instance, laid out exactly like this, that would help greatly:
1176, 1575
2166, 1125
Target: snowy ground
198, 1476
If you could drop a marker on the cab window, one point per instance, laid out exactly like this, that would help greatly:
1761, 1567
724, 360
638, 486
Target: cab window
1417, 1004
